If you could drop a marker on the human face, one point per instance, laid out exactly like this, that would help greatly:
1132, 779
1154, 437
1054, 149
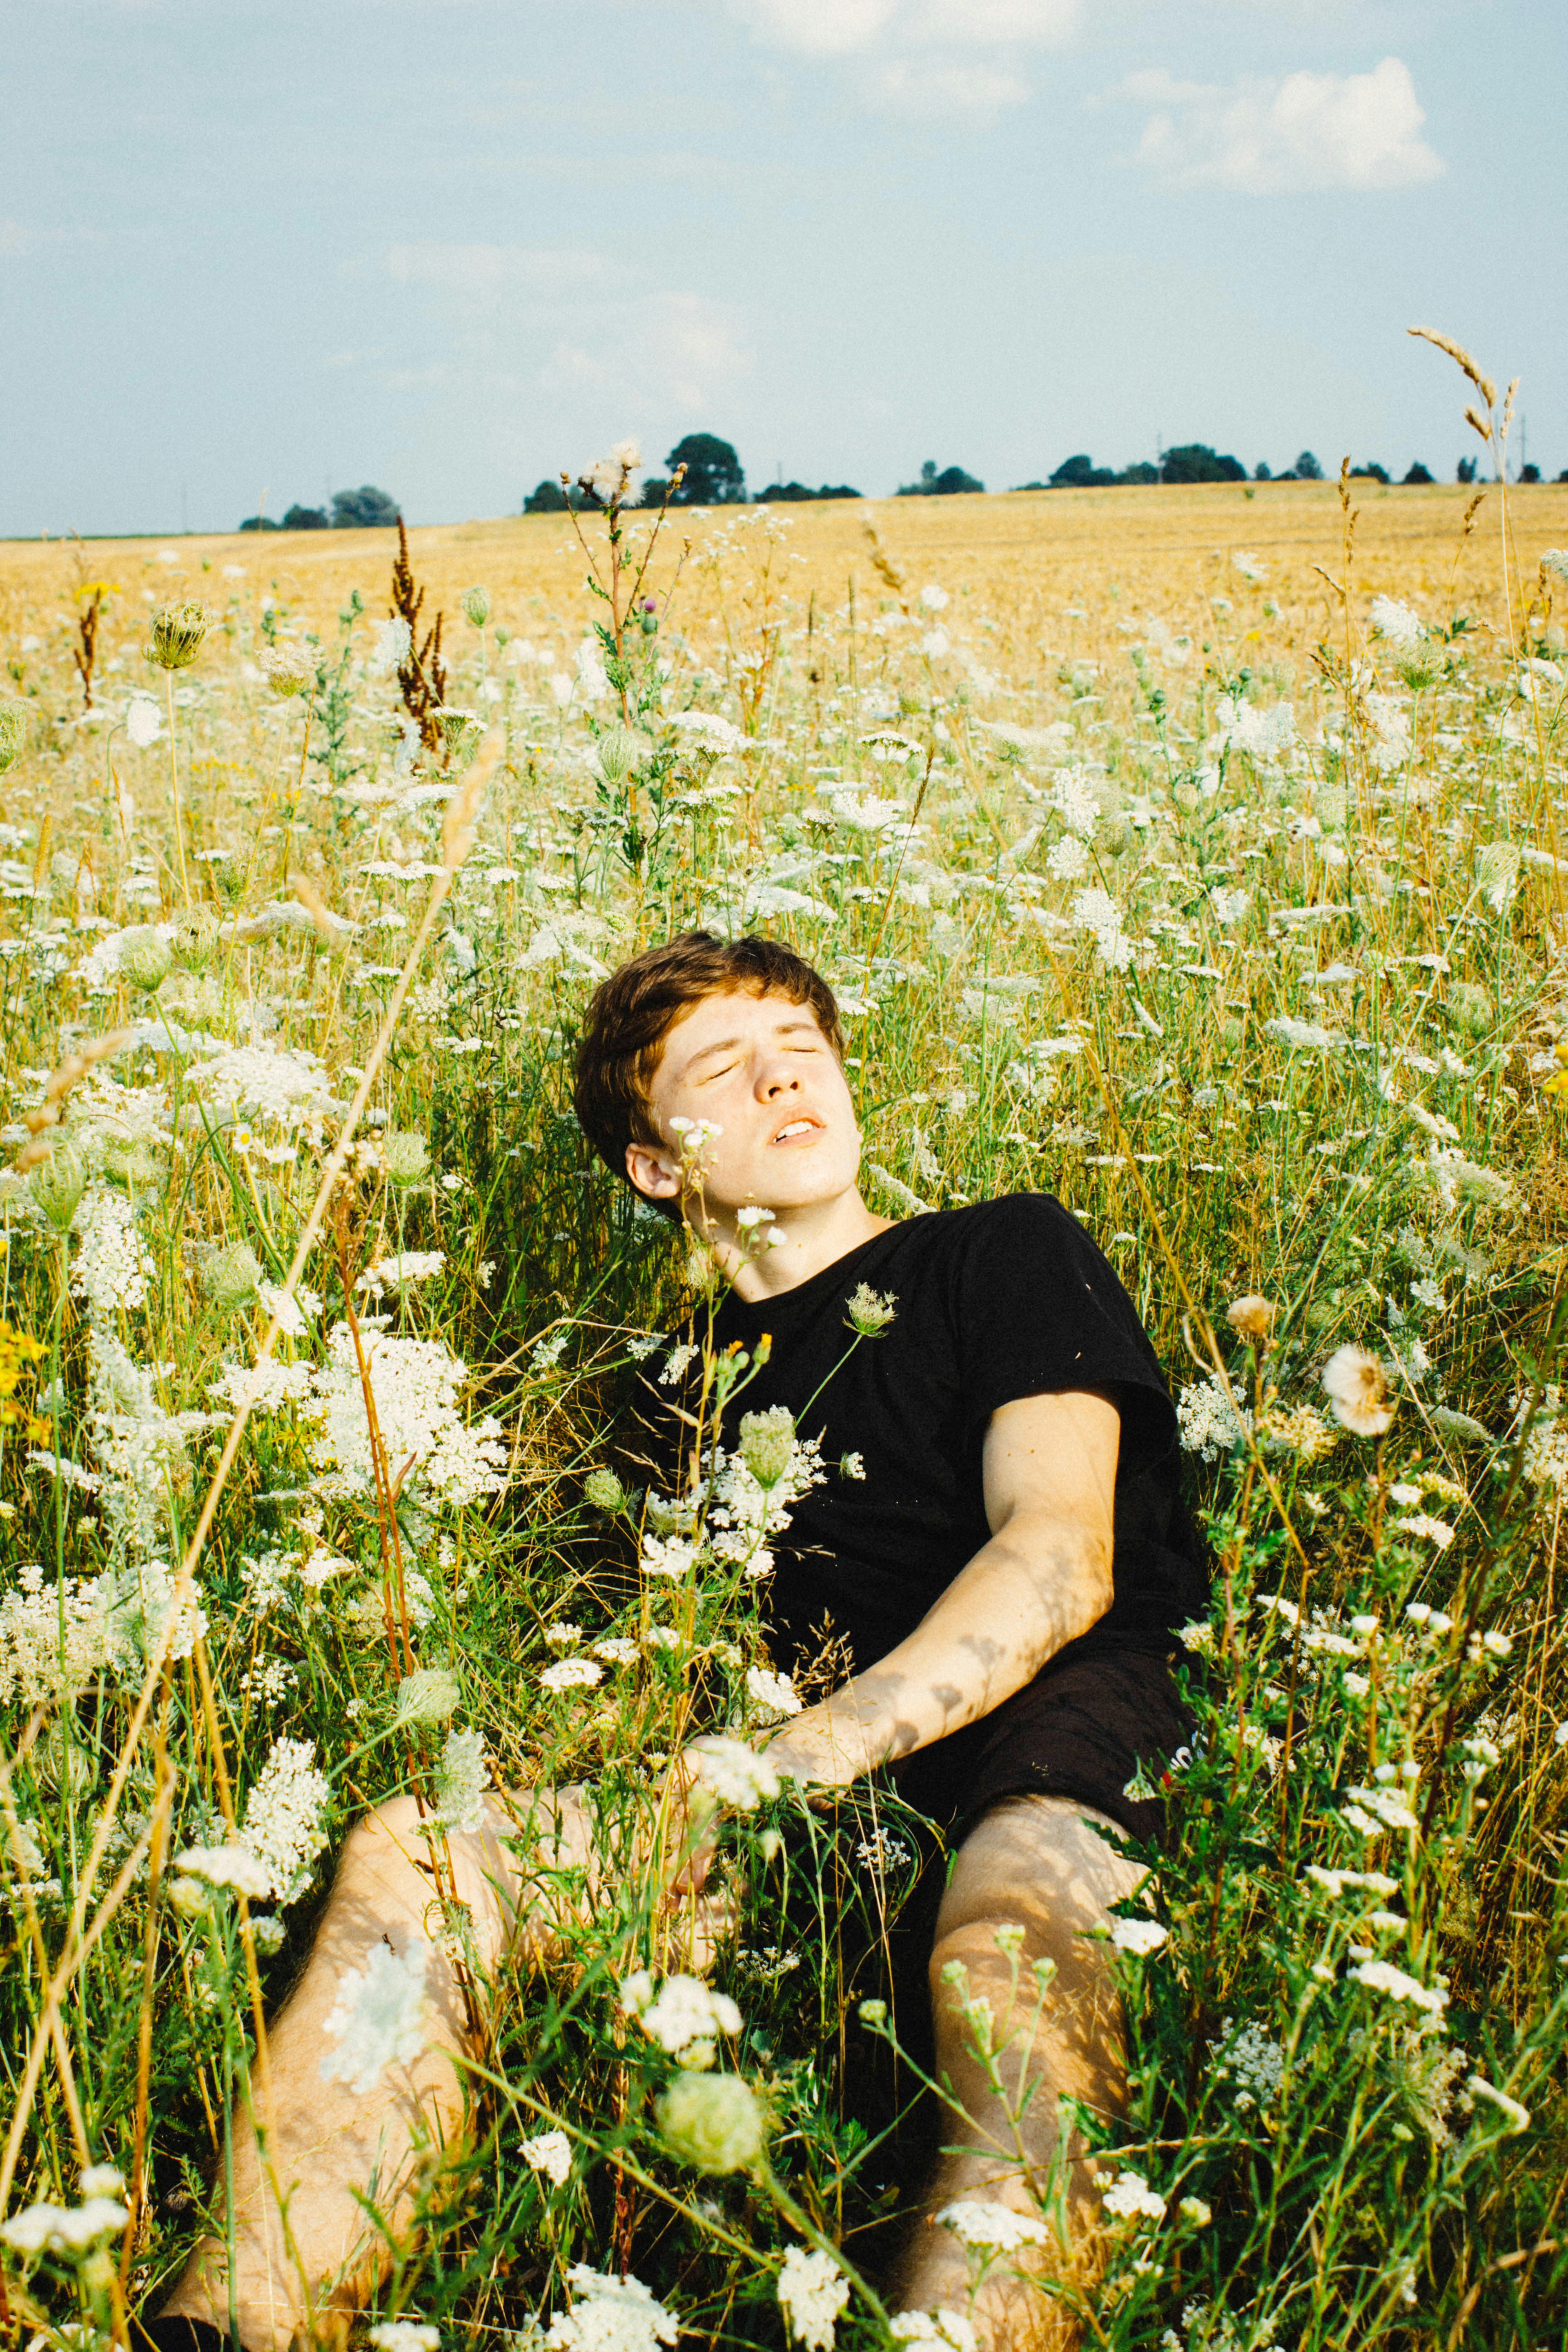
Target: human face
760, 1070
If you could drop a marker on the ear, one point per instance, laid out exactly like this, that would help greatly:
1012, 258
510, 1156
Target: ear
651, 1172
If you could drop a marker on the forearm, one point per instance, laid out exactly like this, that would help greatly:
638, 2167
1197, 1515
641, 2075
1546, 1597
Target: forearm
1035, 1586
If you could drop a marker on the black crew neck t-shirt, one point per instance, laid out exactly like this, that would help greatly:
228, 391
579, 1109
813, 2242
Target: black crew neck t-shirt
1005, 1299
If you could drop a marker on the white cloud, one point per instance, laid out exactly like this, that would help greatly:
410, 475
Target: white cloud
609, 328
14, 239
1040, 23
482, 276
824, 29
817, 28
1309, 131
931, 87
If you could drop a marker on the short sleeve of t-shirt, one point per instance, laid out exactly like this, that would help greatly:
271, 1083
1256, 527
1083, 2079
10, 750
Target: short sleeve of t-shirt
1035, 1309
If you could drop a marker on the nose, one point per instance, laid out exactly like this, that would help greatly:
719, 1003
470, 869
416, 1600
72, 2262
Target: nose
776, 1080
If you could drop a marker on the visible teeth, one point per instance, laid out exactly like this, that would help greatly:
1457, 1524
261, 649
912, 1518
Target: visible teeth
796, 1126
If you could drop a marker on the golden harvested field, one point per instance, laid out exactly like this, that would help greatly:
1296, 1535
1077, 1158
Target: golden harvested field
1027, 557
1158, 860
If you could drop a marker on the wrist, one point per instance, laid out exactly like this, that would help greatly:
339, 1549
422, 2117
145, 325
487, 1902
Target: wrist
827, 1747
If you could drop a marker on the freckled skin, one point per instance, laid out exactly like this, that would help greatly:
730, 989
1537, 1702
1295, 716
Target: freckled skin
759, 1069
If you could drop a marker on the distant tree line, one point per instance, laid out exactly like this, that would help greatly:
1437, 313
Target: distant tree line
366, 508
1195, 461
713, 477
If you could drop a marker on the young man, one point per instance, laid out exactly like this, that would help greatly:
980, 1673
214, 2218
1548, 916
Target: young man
1003, 1579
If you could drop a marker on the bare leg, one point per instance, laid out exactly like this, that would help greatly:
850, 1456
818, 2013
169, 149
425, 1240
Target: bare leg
1033, 1862
331, 2145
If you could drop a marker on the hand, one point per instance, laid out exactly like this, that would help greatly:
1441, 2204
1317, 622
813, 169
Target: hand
823, 1748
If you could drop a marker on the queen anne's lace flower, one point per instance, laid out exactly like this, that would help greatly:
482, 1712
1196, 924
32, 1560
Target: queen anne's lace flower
812, 2290
1209, 1423
416, 1384
610, 2315
379, 2017
112, 1263
549, 2153
283, 1817
462, 1777
685, 2016
996, 2226
732, 1772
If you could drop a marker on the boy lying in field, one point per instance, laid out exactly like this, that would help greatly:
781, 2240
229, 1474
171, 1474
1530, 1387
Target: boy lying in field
1002, 1579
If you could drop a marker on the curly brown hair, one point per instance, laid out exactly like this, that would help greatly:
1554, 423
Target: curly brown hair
631, 1013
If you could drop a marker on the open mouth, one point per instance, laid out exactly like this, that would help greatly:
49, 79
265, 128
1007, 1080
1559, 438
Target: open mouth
797, 1126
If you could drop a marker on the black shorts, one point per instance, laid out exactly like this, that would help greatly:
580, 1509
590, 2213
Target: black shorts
1090, 1724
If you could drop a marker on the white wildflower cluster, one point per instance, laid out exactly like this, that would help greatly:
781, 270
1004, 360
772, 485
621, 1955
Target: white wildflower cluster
705, 731
571, 1673
416, 1384
812, 2293
1210, 1424
549, 2153
1381, 1976
741, 1513
380, 2017
55, 1639
732, 1772
113, 1263
1545, 1459
1139, 1937
933, 2331
1388, 737
1373, 1811
1211, 2328
994, 2227
64, 2229
282, 1826
140, 1449
1128, 2198
1241, 726
1097, 912
1397, 621
462, 1776
684, 2015
773, 1695
1073, 797
1306, 1036
1253, 2060
393, 1275
610, 2315
290, 1088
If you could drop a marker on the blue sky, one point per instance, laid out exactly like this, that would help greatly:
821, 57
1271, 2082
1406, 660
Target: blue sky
451, 246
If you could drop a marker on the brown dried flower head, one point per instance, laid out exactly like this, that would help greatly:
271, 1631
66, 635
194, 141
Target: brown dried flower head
1252, 1317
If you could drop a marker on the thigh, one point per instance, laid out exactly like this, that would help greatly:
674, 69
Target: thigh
1043, 1862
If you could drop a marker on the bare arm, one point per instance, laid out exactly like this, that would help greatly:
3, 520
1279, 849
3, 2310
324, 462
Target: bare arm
1044, 1579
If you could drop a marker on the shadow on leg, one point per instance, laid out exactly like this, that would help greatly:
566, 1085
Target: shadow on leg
331, 2146
1030, 1863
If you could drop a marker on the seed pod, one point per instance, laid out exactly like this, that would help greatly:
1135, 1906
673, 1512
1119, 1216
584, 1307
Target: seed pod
477, 606
715, 2123
767, 1443
58, 1183
146, 960
230, 1275
195, 938
177, 633
12, 731
288, 670
406, 1158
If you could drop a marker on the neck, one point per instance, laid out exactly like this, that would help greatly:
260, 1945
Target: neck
814, 1237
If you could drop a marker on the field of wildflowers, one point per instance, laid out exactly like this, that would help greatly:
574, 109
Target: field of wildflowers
1194, 855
